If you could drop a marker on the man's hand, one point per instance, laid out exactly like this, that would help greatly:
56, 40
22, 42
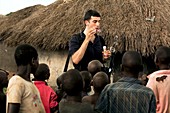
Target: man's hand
90, 35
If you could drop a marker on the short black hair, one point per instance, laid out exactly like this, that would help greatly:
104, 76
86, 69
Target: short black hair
132, 62
59, 80
94, 66
72, 82
41, 72
100, 80
87, 77
163, 55
24, 54
90, 13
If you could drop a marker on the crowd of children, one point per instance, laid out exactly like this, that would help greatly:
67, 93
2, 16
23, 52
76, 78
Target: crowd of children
74, 88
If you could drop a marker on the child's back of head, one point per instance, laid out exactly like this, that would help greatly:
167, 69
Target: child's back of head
94, 66
72, 82
42, 73
100, 80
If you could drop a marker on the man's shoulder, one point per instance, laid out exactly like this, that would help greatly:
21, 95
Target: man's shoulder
77, 35
159, 73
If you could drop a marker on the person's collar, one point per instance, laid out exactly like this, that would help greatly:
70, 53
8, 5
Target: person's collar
130, 80
39, 82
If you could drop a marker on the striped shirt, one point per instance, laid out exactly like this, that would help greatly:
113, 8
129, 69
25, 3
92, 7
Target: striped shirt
127, 96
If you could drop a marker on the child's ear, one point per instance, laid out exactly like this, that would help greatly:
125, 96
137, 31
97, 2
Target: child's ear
61, 86
33, 61
121, 67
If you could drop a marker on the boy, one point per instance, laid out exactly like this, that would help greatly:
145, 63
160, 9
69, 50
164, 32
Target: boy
99, 81
48, 96
22, 94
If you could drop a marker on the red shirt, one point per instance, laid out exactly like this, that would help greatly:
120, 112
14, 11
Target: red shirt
48, 96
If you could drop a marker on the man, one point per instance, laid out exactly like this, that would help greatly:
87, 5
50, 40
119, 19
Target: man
22, 94
159, 81
127, 95
87, 45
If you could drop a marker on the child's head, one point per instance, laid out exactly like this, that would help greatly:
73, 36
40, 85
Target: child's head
59, 81
72, 82
132, 63
3, 79
87, 80
26, 55
100, 80
94, 66
162, 57
42, 73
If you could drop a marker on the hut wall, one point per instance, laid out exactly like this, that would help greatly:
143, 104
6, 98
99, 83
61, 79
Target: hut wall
55, 60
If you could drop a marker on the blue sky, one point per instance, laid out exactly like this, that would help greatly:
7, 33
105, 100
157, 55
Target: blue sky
7, 6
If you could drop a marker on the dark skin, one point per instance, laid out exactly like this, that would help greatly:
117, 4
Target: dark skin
131, 64
100, 80
24, 72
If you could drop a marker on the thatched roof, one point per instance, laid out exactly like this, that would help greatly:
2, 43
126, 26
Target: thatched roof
140, 25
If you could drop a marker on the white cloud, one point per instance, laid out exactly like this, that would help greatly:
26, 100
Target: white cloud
7, 6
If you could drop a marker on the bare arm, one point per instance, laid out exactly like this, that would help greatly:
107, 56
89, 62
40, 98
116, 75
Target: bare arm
13, 107
78, 55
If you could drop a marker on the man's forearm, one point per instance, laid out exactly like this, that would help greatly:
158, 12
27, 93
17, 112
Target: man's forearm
78, 55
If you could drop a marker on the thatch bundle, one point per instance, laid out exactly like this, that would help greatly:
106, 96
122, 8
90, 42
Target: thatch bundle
140, 25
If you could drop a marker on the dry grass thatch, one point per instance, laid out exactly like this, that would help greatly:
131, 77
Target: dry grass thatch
140, 25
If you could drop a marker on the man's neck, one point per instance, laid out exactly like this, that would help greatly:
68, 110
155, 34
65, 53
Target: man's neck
128, 74
163, 67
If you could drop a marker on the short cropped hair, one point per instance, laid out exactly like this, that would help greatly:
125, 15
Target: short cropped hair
94, 66
163, 55
90, 13
24, 54
100, 80
41, 72
132, 61
72, 82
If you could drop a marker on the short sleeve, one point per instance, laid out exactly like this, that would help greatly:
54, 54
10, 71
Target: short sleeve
74, 44
14, 90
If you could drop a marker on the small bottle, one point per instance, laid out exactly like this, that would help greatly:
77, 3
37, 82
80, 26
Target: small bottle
105, 55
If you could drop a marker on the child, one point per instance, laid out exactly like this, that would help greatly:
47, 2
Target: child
99, 81
60, 92
73, 86
48, 96
94, 66
3, 84
87, 82
22, 95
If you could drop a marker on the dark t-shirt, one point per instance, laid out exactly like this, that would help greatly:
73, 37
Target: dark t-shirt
93, 51
75, 107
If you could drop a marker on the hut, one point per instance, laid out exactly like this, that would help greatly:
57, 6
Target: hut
140, 25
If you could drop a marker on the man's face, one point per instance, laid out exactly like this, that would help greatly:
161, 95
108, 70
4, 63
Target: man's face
94, 22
